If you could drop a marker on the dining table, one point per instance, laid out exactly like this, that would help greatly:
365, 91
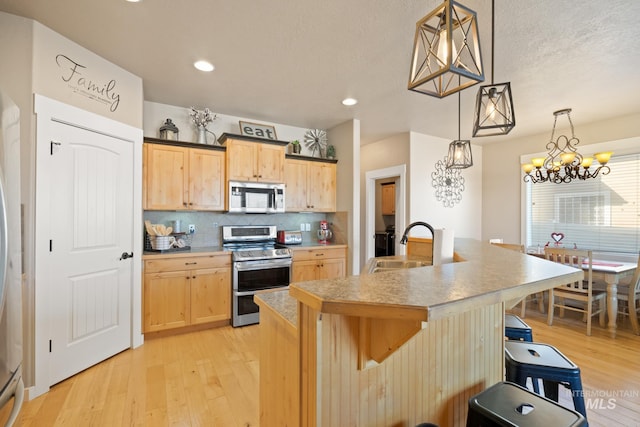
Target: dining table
609, 273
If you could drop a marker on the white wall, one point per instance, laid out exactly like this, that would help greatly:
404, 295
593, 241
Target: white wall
388, 152
502, 175
155, 115
346, 138
464, 218
67, 72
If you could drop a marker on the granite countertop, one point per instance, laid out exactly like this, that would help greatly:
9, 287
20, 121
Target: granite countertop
485, 274
282, 303
315, 245
203, 251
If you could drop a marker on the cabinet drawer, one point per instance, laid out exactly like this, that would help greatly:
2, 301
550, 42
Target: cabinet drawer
319, 253
186, 263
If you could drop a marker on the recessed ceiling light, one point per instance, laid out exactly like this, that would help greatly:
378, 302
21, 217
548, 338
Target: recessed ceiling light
349, 102
134, 1
203, 65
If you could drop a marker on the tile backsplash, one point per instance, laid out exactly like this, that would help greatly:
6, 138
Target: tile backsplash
208, 231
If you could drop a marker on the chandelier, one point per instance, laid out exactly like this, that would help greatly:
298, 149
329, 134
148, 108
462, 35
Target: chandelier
563, 162
494, 114
446, 46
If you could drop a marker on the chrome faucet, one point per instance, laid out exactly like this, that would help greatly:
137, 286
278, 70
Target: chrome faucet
405, 235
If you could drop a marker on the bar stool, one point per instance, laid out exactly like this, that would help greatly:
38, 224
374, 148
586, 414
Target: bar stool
508, 404
536, 360
516, 329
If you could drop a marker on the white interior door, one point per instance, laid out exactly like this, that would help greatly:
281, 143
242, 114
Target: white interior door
91, 202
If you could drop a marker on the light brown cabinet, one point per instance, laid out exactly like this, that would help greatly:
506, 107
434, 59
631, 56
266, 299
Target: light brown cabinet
388, 199
186, 291
318, 263
252, 161
311, 186
183, 178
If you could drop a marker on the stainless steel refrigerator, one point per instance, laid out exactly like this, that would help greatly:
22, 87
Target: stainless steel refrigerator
10, 259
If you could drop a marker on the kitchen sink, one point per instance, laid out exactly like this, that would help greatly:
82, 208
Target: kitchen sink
379, 265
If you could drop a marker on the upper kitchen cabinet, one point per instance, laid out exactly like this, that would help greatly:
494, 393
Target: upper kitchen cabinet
254, 159
388, 198
311, 185
181, 177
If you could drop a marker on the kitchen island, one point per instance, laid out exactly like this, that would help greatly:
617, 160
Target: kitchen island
395, 348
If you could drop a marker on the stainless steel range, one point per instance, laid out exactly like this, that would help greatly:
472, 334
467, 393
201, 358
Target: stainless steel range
258, 264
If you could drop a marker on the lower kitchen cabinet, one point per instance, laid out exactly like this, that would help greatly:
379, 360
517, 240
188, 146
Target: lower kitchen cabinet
186, 291
318, 263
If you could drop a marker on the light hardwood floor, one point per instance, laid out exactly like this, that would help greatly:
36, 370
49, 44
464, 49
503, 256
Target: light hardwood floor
210, 378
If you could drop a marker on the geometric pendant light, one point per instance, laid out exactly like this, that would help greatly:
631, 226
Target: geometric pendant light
494, 114
446, 51
459, 156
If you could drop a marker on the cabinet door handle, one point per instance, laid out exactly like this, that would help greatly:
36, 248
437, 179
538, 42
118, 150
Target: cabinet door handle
319, 254
190, 263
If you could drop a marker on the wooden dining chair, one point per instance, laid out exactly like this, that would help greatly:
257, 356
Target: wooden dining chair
581, 291
628, 292
538, 297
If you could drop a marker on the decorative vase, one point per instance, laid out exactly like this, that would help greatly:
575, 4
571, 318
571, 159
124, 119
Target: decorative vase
296, 148
202, 135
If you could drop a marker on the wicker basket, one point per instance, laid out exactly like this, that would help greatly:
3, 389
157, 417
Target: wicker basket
150, 242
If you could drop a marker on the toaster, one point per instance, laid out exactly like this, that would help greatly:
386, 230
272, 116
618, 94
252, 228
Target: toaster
289, 237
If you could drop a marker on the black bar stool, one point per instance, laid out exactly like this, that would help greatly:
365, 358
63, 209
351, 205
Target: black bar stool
507, 404
536, 360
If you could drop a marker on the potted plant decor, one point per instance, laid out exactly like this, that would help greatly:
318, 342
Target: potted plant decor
331, 152
295, 146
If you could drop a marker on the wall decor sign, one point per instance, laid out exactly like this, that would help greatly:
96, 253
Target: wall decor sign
80, 81
448, 182
258, 130
64, 71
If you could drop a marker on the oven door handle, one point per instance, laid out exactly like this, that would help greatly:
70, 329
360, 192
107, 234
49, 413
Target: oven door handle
261, 264
244, 294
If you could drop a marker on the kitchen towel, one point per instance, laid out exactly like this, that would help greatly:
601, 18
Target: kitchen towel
442, 246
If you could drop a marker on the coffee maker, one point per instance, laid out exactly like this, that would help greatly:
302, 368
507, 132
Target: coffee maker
324, 234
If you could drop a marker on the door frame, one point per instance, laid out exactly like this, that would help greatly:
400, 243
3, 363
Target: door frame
48, 110
400, 173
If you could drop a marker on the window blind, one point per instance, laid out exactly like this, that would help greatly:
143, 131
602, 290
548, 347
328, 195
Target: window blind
601, 214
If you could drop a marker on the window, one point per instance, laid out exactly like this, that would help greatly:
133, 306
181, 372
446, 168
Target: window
587, 208
601, 214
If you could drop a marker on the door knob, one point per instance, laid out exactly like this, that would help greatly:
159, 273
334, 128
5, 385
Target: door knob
126, 255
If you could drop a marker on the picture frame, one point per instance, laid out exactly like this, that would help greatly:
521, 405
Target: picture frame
258, 130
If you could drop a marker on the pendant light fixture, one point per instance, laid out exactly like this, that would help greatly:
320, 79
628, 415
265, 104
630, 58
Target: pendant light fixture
446, 46
494, 114
459, 156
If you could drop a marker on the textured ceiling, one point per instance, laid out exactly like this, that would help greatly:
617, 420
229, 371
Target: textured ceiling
293, 61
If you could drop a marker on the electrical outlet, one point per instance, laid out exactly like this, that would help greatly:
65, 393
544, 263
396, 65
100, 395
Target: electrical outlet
307, 227
302, 227
192, 228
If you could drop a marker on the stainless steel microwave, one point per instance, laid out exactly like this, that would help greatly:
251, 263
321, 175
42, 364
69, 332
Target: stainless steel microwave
256, 197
